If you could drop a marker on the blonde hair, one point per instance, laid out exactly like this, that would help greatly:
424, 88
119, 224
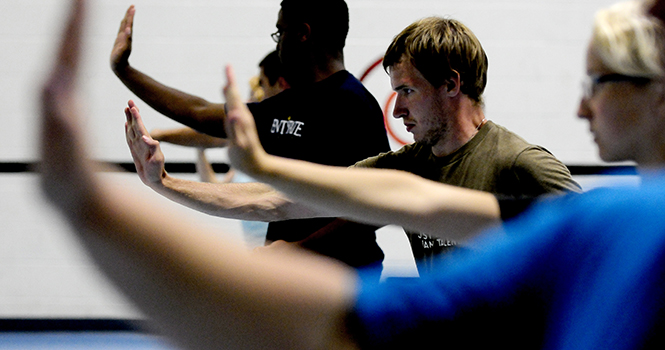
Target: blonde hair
630, 41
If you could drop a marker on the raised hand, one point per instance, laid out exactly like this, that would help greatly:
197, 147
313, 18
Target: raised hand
66, 172
147, 154
122, 47
245, 150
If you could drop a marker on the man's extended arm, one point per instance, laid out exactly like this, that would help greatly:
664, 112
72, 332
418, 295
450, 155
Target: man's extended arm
381, 196
199, 290
245, 201
184, 108
187, 137
369, 195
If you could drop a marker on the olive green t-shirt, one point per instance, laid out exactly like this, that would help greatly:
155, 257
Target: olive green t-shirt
495, 160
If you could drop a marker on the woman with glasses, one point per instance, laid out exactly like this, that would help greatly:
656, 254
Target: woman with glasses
624, 87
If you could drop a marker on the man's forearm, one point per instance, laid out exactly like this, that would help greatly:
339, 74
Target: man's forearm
188, 137
190, 110
243, 201
383, 197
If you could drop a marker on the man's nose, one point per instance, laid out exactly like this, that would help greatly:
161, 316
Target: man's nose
399, 111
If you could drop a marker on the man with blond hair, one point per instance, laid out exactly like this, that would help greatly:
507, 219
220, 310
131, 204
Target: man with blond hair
438, 69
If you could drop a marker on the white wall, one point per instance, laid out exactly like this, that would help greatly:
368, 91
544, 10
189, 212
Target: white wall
535, 48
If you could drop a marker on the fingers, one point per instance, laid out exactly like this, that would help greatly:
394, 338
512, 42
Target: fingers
135, 121
230, 102
145, 151
127, 23
245, 148
231, 90
132, 104
122, 47
239, 120
58, 90
137, 135
230, 77
68, 56
130, 133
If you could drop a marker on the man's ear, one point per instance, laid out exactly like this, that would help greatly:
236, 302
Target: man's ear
453, 84
281, 82
304, 32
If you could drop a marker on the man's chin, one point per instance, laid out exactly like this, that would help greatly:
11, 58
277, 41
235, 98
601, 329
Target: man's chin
610, 157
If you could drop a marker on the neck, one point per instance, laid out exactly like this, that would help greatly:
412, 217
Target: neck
461, 129
649, 154
327, 71
320, 69
645, 168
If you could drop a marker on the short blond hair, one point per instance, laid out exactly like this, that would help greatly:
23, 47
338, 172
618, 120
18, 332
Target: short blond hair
629, 40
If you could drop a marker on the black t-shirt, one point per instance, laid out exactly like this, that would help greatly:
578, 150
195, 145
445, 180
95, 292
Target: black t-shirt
333, 122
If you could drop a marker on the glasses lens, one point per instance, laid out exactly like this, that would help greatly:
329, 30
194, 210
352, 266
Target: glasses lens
276, 36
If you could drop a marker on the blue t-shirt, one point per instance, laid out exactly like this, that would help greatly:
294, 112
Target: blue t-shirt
579, 272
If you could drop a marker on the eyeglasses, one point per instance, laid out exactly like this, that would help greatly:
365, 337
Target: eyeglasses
276, 36
591, 83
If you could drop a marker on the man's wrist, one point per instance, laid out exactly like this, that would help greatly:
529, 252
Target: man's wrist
162, 182
266, 166
121, 69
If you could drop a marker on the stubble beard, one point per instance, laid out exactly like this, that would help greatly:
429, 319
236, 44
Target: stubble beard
435, 136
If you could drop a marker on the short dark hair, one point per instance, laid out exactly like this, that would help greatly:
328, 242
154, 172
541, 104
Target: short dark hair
272, 67
438, 46
329, 20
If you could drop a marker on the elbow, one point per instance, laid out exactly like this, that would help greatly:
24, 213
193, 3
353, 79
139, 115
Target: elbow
209, 118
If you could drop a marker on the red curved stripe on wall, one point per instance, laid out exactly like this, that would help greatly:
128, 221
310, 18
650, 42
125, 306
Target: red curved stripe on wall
386, 107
